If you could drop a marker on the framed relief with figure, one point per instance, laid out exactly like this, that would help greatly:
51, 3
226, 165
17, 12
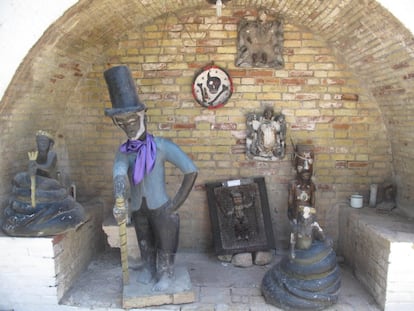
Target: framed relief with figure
240, 216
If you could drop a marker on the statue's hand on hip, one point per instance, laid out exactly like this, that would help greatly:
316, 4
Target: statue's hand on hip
169, 206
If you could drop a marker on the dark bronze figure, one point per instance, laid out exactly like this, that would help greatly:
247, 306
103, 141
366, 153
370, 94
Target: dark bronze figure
40, 205
139, 179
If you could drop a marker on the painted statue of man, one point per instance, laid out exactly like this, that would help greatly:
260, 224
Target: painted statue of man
139, 177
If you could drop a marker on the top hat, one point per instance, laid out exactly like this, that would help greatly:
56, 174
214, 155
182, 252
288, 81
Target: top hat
122, 91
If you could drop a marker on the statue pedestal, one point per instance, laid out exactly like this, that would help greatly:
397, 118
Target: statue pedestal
310, 281
138, 295
36, 272
379, 249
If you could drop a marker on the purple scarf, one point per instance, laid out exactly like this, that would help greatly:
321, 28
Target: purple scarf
146, 151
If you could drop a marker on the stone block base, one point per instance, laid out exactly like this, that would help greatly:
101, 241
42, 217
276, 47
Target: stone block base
36, 272
380, 249
138, 295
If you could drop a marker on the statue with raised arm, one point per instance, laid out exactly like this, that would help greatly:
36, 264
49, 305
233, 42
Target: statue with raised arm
139, 178
40, 205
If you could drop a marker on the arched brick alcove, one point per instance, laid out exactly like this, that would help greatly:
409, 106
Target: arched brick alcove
345, 88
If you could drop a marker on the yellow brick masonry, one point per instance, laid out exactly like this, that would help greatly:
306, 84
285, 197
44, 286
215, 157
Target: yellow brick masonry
165, 52
308, 89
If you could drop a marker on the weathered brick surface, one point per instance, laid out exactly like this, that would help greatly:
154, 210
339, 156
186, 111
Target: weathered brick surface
346, 88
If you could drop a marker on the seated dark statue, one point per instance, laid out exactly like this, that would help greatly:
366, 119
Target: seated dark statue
49, 209
308, 278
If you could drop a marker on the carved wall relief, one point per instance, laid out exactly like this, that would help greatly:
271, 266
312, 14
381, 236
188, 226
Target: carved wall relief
260, 43
266, 135
240, 216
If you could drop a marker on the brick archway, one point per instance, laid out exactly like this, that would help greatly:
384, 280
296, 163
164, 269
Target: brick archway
345, 47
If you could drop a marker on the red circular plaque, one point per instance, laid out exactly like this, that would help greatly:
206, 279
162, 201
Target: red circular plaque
212, 87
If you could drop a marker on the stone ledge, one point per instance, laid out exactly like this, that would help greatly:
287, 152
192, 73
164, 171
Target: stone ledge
380, 250
42, 269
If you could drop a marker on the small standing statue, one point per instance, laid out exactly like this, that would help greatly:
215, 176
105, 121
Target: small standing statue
309, 277
139, 181
40, 205
301, 202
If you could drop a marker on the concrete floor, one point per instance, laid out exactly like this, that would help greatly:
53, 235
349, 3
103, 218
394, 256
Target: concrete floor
218, 286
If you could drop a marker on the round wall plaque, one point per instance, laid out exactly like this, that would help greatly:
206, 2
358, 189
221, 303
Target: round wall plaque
212, 87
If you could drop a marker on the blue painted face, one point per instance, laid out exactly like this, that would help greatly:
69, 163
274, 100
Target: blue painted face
133, 123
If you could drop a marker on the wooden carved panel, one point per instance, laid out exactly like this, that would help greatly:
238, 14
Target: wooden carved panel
260, 44
240, 216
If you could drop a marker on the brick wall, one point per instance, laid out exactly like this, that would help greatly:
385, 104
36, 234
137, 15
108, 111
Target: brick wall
322, 100
326, 90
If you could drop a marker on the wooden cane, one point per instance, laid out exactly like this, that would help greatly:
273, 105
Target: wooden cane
32, 157
120, 206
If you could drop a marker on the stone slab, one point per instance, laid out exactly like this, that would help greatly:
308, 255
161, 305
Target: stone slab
379, 248
38, 271
138, 295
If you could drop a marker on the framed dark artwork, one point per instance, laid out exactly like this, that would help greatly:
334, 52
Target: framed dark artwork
240, 216
212, 87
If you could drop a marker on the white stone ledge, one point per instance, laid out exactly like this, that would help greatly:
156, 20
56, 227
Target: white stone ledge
39, 270
380, 249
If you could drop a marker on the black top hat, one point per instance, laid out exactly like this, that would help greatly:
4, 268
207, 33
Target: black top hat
122, 91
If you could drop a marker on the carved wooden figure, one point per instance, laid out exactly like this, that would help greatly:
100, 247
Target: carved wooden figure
308, 278
301, 202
